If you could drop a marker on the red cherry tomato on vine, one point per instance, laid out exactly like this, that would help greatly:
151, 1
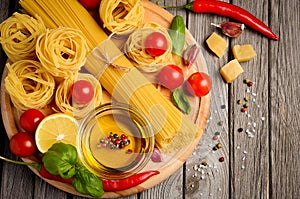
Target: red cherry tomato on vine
171, 76
82, 92
90, 4
156, 44
199, 84
22, 144
30, 119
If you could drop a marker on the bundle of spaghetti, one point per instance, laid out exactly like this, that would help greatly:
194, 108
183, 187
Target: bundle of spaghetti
135, 48
63, 96
18, 36
29, 85
120, 16
62, 51
170, 124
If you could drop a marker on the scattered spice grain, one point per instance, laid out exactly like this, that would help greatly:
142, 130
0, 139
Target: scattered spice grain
243, 109
240, 130
240, 101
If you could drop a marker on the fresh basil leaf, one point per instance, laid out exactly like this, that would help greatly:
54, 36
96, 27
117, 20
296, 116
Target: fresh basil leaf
86, 182
61, 160
181, 101
177, 34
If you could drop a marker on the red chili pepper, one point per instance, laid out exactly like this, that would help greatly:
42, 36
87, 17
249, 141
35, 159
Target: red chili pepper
44, 173
118, 185
231, 11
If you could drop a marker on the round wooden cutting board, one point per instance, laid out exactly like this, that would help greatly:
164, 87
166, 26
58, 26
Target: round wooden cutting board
171, 162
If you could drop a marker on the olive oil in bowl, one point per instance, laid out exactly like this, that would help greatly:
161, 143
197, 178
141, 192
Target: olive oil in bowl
115, 141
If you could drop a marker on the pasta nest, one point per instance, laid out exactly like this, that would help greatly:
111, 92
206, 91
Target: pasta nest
62, 51
120, 16
135, 50
63, 97
19, 34
29, 85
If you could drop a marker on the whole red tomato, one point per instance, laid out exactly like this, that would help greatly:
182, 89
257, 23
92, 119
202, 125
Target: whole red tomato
199, 84
82, 92
90, 4
22, 144
30, 119
156, 44
171, 76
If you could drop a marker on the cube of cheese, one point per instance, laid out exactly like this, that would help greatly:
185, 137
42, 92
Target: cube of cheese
243, 52
231, 70
217, 44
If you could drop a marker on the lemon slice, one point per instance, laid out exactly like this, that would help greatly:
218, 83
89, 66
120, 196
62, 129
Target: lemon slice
55, 128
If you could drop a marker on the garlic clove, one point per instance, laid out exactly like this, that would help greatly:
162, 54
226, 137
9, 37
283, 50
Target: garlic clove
231, 29
190, 55
156, 155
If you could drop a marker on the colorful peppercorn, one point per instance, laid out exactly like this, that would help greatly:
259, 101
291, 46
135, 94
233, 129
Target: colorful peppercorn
249, 84
204, 163
240, 101
246, 105
215, 137
246, 81
240, 130
114, 141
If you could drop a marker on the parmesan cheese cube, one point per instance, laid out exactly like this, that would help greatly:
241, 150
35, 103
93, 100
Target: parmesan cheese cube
243, 52
217, 44
231, 70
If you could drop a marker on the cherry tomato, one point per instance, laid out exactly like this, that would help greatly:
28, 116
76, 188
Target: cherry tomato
22, 144
90, 4
156, 44
82, 92
30, 119
199, 84
171, 76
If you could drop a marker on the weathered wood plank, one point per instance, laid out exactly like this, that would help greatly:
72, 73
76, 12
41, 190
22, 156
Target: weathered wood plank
284, 91
250, 155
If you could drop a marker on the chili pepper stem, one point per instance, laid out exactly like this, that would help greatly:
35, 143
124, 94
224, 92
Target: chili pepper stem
37, 166
187, 6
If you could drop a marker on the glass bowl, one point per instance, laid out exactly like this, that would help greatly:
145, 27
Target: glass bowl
116, 141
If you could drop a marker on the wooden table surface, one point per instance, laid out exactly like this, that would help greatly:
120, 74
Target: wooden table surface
262, 161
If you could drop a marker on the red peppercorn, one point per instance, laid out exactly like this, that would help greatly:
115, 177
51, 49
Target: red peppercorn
117, 142
244, 110
216, 137
250, 84
221, 159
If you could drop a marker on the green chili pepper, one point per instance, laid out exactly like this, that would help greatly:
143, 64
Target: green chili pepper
181, 101
177, 34
61, 160
86, 182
